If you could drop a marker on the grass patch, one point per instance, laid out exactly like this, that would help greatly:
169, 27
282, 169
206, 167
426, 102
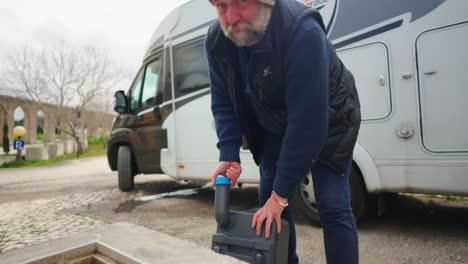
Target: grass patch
98, 141
94, 150
456, 198
445, 197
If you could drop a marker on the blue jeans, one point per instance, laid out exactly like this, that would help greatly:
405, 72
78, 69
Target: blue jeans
333, 201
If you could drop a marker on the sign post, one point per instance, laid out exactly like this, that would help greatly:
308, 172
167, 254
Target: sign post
18, 144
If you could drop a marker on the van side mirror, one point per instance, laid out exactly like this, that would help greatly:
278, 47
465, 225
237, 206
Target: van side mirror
120, 105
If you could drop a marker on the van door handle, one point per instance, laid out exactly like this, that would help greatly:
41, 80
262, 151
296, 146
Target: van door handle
430, 72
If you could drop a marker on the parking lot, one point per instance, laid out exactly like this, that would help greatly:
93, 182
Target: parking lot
47, 203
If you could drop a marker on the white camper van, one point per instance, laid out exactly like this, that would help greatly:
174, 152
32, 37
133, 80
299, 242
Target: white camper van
410, 62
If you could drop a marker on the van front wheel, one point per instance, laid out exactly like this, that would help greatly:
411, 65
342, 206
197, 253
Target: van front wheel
124, 168
305, 197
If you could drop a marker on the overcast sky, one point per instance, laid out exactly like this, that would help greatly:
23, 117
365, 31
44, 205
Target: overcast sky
121, 27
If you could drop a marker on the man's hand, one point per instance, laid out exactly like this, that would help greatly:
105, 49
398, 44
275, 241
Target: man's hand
270, 211
230, 169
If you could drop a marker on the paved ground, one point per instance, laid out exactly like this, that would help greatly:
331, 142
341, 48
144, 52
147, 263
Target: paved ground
73, 176
31, 200
29, 222
56, 201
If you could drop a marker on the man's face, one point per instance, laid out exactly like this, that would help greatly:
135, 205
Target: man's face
243, 21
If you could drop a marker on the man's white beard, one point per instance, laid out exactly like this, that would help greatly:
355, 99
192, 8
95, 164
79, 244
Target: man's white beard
251, 32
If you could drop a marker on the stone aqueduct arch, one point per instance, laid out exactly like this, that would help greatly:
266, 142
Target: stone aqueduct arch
91, 120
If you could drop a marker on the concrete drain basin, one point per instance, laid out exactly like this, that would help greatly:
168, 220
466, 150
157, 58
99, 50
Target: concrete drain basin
121, 243
94, 253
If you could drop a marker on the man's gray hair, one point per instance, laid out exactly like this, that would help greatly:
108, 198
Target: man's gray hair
266, 2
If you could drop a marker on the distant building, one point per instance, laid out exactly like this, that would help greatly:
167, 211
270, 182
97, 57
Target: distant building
44, 118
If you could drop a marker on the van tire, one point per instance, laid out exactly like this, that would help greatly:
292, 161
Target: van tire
124, 168
358, 197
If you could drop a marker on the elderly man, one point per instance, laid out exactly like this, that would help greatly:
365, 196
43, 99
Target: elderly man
276, 80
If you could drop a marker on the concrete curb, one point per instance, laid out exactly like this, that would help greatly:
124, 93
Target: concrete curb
126, 243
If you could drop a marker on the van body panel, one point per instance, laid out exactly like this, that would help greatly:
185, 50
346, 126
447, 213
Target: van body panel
424, 176
148, 142
167, 153
442, 60
375, 83
169, 22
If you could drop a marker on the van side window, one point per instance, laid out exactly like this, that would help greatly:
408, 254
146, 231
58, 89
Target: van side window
135, 92
190, 67
150, 85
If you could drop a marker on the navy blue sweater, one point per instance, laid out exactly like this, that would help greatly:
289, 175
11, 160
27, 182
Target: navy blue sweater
306, 80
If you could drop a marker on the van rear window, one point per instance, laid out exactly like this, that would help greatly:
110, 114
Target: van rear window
190, 67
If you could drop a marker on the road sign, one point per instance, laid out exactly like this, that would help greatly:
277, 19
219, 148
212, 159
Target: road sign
18, 144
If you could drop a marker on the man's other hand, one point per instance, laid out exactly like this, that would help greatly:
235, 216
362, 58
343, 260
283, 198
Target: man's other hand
270, 212
230, 169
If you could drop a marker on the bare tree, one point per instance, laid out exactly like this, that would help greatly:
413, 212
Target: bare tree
65, 72
65, 76
24, 75
46, 75
101, 77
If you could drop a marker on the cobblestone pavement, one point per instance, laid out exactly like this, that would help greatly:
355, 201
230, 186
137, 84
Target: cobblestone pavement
30, 222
